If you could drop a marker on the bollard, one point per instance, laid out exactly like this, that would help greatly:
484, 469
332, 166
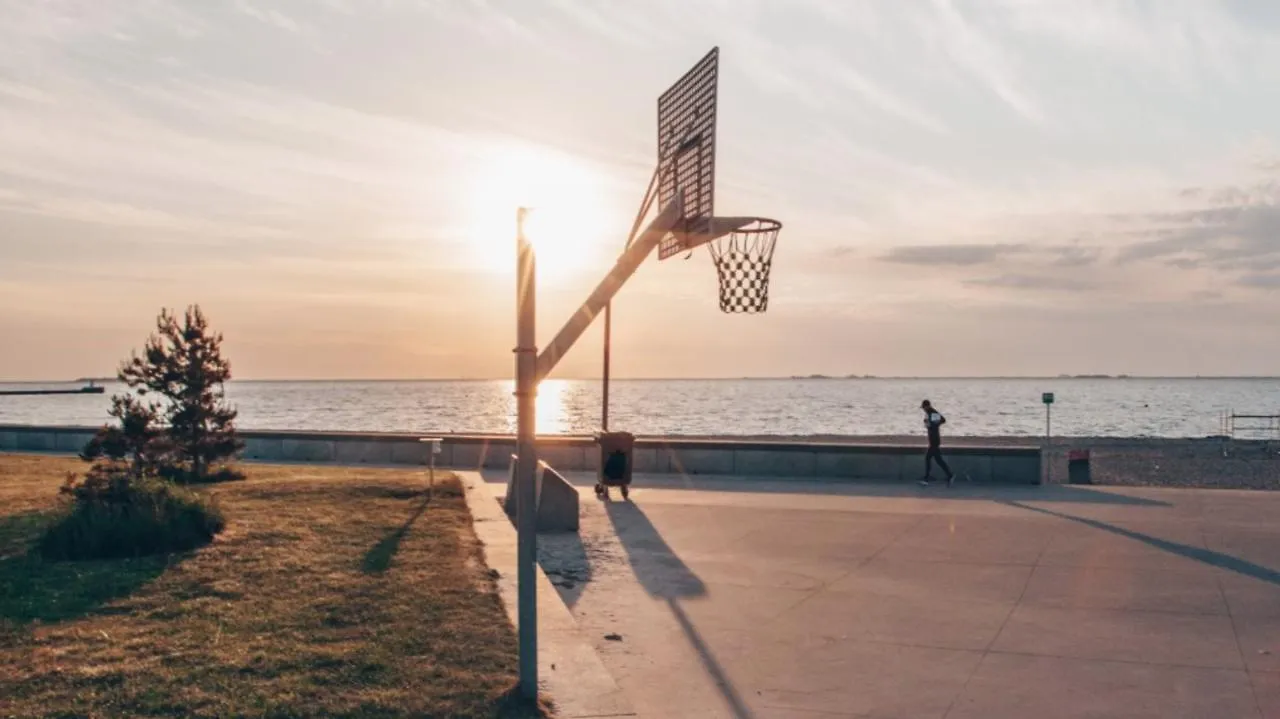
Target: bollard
1078, 470
431, 463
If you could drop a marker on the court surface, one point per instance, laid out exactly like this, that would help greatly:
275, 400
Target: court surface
745, 598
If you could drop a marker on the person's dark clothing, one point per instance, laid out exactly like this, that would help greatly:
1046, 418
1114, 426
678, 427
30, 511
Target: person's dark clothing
934, 453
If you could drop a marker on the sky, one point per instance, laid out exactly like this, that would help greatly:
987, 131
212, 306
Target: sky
1005, 187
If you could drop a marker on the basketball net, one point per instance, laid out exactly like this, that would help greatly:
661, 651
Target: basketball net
743, 259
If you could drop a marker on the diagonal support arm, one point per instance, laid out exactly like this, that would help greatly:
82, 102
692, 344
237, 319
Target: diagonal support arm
626, 266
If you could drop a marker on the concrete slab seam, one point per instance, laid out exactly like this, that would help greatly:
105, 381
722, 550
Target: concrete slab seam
1235, 631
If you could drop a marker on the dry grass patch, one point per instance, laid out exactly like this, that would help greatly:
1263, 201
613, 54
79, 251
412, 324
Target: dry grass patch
337, 592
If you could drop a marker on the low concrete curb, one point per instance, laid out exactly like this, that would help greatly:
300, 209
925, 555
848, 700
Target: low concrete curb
670, 455
570, 671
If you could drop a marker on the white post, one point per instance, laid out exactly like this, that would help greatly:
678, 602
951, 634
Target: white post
1048, 443
433, 448
526, 460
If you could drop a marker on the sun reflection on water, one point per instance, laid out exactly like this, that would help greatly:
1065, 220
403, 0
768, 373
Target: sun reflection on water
552, 417
552, 412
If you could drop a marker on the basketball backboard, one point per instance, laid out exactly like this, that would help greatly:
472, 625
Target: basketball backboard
687, 151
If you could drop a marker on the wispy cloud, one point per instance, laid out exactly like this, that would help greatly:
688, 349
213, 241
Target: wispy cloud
1053, 283
950, 255
118, 214
1077, 256
268, 15
984, 59
1269, 281
1192, 45
1008, 153
1239, 225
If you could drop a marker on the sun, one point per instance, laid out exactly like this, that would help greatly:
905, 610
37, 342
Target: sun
569, 224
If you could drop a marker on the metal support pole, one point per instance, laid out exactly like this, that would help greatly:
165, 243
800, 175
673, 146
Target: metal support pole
604, 398
526, 459
603, 294
531, 369
608, 309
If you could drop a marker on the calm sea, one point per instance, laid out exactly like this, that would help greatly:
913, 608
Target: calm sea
977, 407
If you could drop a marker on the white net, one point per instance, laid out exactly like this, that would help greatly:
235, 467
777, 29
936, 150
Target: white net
743, 259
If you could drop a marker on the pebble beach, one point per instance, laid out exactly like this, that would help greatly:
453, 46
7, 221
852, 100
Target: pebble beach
1134, 462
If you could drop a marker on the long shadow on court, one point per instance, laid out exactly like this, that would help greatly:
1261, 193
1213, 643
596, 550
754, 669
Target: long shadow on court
655, 564
872, 488
1199, 554
665, 576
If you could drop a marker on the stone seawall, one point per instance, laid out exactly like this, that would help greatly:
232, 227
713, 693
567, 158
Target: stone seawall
800, 460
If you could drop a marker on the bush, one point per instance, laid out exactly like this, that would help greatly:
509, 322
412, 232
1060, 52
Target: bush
110, 514
184, 475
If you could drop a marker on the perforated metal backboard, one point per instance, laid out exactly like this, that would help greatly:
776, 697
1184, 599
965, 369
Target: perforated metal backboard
687, 151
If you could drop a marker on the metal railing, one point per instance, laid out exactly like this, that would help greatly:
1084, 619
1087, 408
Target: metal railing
1254, 426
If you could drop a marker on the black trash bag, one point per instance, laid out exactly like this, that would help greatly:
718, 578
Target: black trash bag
615, 467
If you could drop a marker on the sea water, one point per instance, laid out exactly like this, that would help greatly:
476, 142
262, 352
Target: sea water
787, 407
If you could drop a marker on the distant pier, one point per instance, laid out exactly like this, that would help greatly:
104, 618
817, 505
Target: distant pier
90, 389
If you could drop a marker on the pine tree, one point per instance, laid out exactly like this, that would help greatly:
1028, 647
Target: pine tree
183, 363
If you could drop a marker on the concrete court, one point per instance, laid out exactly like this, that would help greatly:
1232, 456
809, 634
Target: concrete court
748, 598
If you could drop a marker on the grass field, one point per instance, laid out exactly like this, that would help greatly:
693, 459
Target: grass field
337, 592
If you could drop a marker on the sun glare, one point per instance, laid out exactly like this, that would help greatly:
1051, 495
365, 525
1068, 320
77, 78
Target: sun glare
568, 223
551, 407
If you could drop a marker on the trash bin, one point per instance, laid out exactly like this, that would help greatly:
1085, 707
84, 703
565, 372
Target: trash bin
1078, 467
616, 452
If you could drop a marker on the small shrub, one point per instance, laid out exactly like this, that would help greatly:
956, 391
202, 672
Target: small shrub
184, 475
111, 514
224, 473
137, 440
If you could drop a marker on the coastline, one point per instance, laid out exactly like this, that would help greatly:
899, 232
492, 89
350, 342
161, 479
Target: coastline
1207, 462
1202, 463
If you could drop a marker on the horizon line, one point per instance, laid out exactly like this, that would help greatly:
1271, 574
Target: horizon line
815, 377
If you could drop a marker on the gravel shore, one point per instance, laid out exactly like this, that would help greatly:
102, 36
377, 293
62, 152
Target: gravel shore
1212, 463
1125, 461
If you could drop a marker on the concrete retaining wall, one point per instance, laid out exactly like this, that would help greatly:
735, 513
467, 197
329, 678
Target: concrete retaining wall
999, 465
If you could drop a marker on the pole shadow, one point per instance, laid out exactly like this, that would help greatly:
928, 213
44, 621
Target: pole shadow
963, 490
564, 559
378, 559
662, 574
665, 576
1199, 554
851, 487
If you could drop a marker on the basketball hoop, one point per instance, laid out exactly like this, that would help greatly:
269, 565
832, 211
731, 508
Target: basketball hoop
683, 189
743, 258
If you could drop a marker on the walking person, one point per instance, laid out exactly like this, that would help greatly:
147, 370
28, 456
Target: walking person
933, 421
